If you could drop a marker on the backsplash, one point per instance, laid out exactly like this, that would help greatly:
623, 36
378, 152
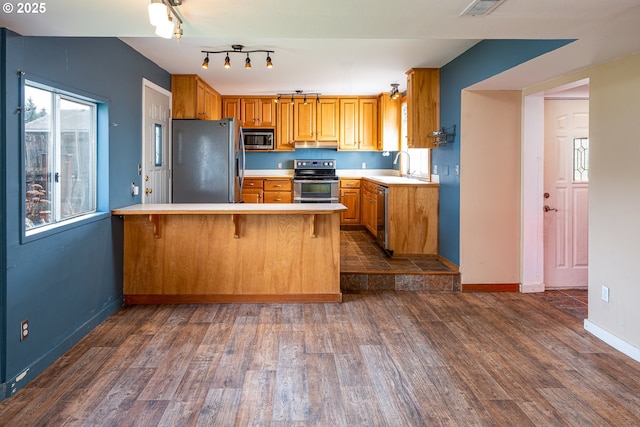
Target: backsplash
344, 159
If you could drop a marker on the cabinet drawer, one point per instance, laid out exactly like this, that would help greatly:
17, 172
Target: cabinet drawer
349, 183
369, 186
252, 183
277, 184
278, 197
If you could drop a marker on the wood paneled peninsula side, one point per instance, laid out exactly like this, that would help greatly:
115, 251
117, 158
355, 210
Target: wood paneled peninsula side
204, 253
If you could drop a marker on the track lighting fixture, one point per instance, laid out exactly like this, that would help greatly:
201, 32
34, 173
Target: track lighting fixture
163, 16
395, 93
238, 48
205, 63
298, 93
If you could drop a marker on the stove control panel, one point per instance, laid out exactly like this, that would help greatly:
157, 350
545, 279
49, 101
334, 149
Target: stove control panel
314, 164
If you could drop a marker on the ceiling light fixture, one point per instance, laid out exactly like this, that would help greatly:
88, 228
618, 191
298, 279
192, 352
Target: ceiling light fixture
395, 93
163, 15
481, 7
205, 63
299, 93
238, 48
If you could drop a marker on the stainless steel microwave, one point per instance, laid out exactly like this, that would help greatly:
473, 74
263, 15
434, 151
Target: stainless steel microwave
258, 139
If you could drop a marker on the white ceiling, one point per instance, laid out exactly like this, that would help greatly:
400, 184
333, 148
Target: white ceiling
346, 46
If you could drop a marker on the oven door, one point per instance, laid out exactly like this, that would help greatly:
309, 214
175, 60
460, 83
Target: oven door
315, 191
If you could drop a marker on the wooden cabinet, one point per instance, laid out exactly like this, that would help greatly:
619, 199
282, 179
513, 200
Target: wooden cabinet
284, 125
423, 106
193, 98
278, 190
252, 190
388, 123
258, 112
327, 119
412, 212
267, 190
304, 120
350, 197
231, 108
358, 123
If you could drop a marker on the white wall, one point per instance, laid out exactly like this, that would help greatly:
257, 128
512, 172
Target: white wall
490, 203
614, 197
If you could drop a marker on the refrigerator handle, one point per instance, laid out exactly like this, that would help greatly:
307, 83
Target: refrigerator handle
242, 166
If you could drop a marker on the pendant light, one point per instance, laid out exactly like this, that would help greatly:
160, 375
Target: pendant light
157, 12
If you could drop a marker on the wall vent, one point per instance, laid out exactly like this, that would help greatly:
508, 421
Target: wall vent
481, 7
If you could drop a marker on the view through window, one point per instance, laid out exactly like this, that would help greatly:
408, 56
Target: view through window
420, 157
60, 156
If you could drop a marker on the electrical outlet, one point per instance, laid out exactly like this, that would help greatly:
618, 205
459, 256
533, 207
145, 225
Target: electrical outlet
364, 165
605, 294
279, 165
24, 330
434, 170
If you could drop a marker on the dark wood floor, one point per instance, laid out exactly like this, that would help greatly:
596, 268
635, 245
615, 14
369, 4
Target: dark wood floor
388, 358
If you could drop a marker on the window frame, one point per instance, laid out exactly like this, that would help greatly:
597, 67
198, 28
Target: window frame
100, 150
420, 157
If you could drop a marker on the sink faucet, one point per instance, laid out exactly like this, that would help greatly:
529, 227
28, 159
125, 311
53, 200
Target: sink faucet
395, 161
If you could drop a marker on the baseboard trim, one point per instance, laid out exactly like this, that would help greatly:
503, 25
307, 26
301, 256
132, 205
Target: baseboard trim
490, 287
37, 367
230, 298
532, 287
615, 342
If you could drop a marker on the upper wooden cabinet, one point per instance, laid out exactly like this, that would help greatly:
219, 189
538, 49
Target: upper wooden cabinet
258, 112
193, 98
358, 123
423, 106
231, 108
327, 119
284, 125
304, 120
388, 123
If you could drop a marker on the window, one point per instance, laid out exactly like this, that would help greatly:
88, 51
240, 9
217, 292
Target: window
60, 147
420, 157
581, 160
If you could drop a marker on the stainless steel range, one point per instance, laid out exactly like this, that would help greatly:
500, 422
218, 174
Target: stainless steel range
315, 181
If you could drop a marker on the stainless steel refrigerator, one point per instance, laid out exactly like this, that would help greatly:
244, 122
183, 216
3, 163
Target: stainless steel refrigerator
208, 161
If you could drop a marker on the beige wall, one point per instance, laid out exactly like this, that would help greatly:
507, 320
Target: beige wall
490, 187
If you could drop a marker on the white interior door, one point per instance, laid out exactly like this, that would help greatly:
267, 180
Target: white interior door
566, 191
156, 145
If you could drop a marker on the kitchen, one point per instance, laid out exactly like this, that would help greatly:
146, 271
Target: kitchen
217, 150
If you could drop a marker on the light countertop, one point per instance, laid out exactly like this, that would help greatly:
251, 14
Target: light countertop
230, 208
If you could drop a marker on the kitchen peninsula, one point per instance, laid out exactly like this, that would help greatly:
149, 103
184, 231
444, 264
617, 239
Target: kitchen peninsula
203, 253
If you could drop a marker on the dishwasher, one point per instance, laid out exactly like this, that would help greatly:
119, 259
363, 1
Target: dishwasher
382, 218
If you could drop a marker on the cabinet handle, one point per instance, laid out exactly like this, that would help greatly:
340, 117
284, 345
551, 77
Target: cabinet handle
277, 185
250, 184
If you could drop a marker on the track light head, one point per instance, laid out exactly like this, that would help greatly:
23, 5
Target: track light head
395, 93
247, 62
269, 63
227, 61
205, 63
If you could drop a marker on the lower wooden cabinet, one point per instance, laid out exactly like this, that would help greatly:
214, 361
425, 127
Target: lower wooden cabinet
350, 197
267, 190
370, 207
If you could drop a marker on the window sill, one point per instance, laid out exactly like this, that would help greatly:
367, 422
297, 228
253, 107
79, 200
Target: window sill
60, 227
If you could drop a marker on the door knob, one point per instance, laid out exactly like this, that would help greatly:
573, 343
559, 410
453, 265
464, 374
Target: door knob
547, 208
148, 191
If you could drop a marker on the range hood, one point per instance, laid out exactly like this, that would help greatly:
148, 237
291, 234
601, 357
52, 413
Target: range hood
332, 145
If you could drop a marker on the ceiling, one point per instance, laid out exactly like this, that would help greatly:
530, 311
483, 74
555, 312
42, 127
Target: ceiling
345, 47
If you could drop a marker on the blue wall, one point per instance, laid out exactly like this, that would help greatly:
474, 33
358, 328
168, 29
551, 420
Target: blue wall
485, 59
66, 283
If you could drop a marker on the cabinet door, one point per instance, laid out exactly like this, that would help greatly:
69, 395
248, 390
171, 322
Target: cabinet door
348, 124
368, 123
350, 197
267, 111
304, 128
284, 125
231, 108
252, 195
388, 123
200, 100
327, 123
249, 110
423, 106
